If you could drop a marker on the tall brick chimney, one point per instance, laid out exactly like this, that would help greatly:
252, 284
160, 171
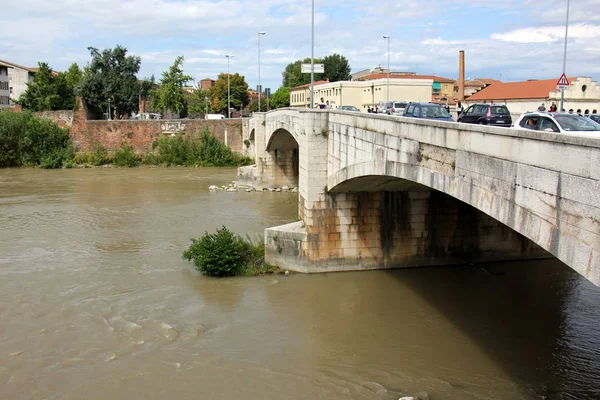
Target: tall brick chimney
461, 75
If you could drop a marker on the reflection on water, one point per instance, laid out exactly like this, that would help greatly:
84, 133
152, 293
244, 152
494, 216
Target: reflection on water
96, 303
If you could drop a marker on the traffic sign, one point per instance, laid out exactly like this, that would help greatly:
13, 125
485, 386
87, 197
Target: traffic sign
562, 87
563, 81
305, 68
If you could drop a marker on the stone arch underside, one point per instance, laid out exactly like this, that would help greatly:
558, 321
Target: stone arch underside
375, 176
281, 163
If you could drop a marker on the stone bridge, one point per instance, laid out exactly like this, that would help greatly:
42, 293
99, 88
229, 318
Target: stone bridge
386, 192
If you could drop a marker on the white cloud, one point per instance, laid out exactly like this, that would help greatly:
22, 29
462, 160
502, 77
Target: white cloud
548, 34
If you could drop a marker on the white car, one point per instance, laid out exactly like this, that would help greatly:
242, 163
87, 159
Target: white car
563, 123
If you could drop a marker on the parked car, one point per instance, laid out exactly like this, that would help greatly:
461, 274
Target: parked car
594, 117
348, 108
486, 114
215, 116
564, 123
427, 111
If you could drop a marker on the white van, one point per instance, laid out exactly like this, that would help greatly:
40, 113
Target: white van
214, 116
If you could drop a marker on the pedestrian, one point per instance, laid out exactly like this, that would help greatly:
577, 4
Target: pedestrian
586, 112
594, 111
327, 105
542, 107
553, 107
322, 104
570, 111
579, 111
459, 109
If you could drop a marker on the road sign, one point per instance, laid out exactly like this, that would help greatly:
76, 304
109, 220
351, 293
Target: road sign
562, 87
305, 68
563, 81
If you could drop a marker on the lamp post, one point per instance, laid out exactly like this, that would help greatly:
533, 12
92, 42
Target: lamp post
228, 88
388, 74
206, 106
259, 87
562, 92
312, 60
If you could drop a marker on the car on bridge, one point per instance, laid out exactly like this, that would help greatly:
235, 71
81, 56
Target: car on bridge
594, 117
427, 111
564, 123
486, 114
348, 108
394, 108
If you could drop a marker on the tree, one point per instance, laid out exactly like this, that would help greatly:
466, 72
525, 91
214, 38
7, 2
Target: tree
41, 94
336, 68
239, 93
253, 106
73, 76
200, 101
169, 95
293, 77
281, 98
111, 76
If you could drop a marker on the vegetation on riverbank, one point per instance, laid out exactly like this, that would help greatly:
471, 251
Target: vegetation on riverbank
26, 140
224, 253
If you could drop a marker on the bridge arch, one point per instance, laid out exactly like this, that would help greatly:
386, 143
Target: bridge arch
282, 159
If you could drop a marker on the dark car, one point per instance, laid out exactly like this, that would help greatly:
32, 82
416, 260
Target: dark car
594, 117
486, 114
427, 111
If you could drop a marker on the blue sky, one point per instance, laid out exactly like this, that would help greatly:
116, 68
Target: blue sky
507, 40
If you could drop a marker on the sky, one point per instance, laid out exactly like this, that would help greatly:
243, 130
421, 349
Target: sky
510, 40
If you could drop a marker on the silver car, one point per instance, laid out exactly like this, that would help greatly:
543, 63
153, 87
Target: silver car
395, 108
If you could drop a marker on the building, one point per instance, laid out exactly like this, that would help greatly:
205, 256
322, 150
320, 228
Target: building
362, 94
583, 93
474, 86
207, 83
4, 85
18, 77
440, 86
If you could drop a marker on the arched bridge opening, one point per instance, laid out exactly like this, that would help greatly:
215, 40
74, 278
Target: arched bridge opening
375, 221
281, 163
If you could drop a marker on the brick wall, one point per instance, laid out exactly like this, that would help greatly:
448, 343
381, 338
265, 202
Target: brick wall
63, 118
141, 134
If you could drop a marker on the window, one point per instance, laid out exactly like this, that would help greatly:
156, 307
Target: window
529, 123
546, 124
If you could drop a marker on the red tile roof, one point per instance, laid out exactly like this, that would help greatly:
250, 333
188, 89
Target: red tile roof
439, 99
308, 84
400, 76
479, 82
517, 90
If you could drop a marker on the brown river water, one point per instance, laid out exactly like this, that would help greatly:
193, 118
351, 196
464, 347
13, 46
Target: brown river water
96, 303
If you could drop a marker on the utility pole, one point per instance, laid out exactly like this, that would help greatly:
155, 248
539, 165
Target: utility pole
388, 74
562, 91
312, 60
259, 86
228, 88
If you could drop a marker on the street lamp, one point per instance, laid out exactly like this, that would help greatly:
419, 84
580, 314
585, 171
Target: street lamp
388, 77
312, 60
206, 106
562, 92
228, 88
259, 87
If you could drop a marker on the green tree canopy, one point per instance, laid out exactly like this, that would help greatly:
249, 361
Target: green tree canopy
281, 98
337, 68
73, 76
239, 92
111, 76
48, 91
169, 94
253, 106
200, 101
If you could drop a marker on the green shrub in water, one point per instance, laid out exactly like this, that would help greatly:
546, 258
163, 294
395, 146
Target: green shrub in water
226, 254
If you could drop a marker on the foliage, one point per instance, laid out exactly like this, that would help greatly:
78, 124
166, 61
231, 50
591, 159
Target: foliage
126, 157
48, 91
337, 68
239, 96
293, 77
26, 140
253, 106
226, 254
205, 151
111, 76
200, 101
169, 94
281, 98
73, 76
98, 156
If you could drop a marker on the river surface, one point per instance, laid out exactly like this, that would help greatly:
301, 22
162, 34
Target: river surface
96, 303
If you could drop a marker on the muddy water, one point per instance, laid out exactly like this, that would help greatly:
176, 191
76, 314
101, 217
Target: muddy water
96, 303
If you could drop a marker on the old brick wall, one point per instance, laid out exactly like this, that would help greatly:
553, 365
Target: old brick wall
141, 134
64, 118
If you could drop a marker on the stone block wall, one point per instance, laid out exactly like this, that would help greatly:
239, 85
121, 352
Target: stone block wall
63, 118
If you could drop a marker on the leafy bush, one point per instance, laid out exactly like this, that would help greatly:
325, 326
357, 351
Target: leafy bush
26, 140
226, 254
151, 159
98, 156
126, 157
205, 151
